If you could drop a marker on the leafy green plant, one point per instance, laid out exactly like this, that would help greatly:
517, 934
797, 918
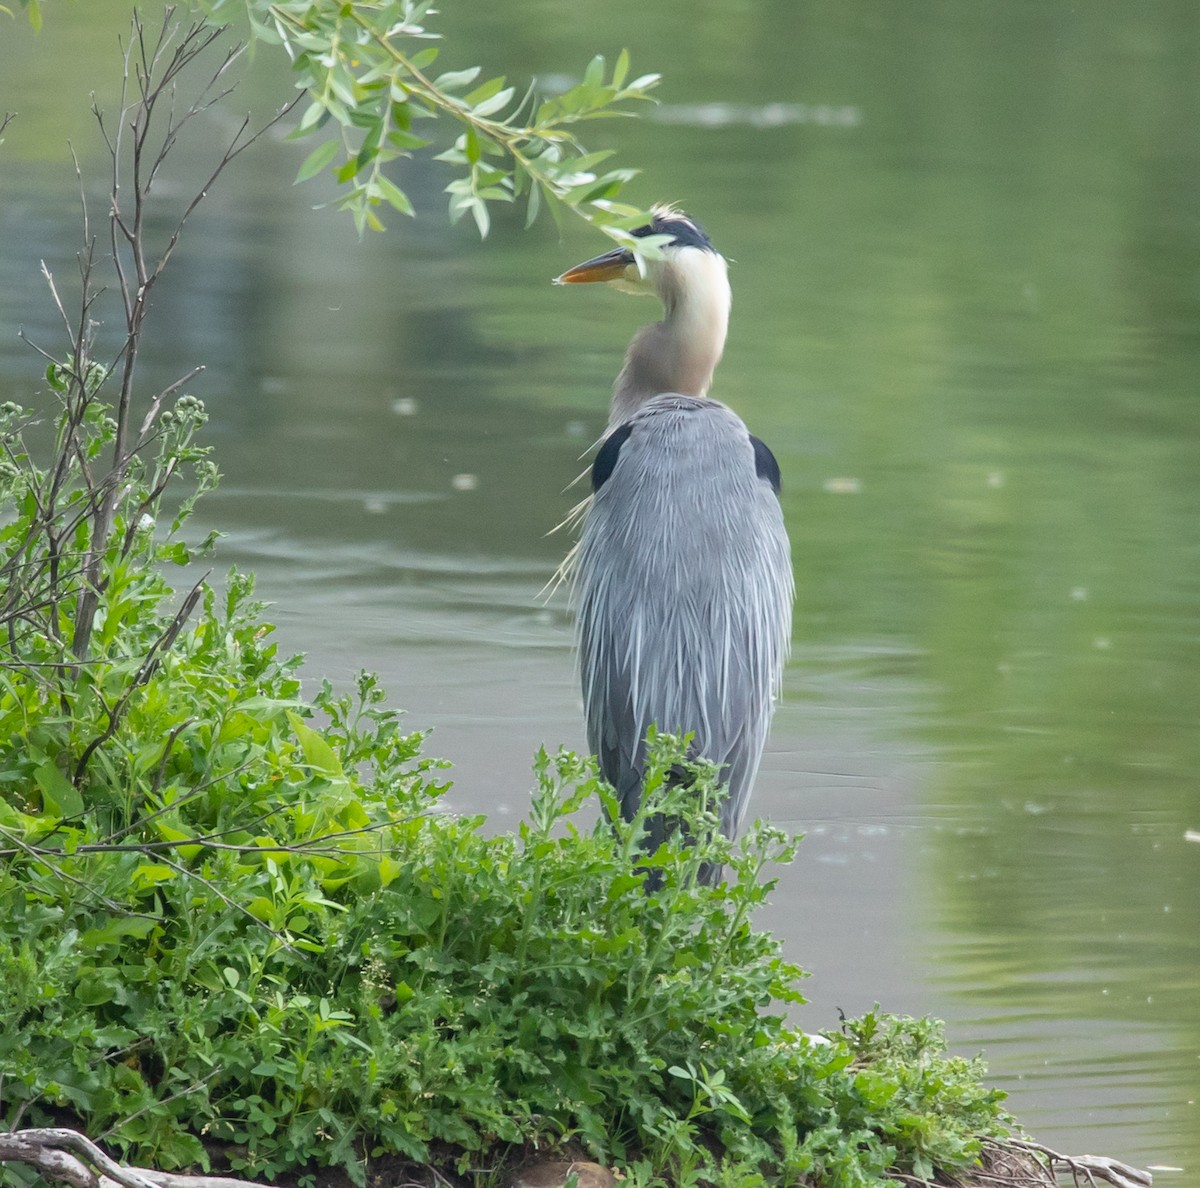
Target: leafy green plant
484, 995
366, 69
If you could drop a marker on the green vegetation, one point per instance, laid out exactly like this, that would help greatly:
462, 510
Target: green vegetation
366, 71
235, 928
434, 994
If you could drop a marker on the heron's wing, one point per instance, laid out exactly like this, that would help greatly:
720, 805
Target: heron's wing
683, 592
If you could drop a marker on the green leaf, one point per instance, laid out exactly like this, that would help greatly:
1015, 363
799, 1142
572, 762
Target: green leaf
94, 992
314, 114
406, 140
593, 76
587, 162
483, 220
318, 160
454, 80
170, 833
59, 795
115, 931
621, 69
498, 101
261, 908
535, 203
645, 82
471, 147
150, 874
318, 753
395, 196
486, 91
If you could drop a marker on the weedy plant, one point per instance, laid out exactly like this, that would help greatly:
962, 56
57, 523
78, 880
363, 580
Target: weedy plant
453, 999
235, 928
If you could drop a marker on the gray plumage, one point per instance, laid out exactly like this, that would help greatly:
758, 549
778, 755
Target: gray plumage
683, 580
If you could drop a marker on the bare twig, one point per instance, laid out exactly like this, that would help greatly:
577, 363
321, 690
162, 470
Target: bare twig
157, 1103
154, 63
57, 871
168, 746
229, 901
322, 846
162, 644
156, 404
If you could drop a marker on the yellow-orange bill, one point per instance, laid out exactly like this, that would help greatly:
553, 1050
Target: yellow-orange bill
607, 267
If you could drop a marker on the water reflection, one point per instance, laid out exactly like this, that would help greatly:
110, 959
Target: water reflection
965, 321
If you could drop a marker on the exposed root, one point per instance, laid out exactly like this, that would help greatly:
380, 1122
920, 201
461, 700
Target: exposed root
1022, 1163
1083, 1169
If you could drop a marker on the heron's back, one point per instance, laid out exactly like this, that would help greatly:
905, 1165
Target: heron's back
683, 591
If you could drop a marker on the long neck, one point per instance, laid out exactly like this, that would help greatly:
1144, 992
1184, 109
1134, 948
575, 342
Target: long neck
680, 353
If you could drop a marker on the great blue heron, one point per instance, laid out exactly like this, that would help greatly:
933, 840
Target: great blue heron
683, 577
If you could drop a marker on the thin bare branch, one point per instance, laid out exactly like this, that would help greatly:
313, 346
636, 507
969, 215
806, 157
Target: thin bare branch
83, 203
154, 62
57, 871
157, 403
30, 343
168, 747
191, 795
158, 1103
319, 846
58, 303
234, 150
145, 672
228, 901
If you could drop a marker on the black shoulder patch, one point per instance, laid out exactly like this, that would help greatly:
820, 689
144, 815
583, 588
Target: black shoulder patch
606, 459
765, 465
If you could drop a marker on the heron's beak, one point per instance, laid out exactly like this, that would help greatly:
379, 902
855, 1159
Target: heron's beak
608, 267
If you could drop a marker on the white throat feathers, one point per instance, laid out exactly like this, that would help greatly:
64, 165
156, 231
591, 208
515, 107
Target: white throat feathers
680, 353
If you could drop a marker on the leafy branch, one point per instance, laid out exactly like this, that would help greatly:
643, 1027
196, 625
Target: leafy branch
85, 515
365, 67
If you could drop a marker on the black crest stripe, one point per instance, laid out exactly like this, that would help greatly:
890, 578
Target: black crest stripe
685, 232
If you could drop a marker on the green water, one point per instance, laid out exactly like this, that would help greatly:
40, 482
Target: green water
966, 245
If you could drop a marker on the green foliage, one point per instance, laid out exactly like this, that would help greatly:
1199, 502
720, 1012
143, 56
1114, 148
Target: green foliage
366, 68
33, 10
454, 993
238, 931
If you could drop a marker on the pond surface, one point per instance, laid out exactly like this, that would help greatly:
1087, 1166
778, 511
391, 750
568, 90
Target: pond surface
967, 320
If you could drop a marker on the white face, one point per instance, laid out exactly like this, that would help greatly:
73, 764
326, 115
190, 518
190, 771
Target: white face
680, 267
680, 270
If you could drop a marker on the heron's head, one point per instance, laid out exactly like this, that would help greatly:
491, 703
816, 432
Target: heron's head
686, 263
